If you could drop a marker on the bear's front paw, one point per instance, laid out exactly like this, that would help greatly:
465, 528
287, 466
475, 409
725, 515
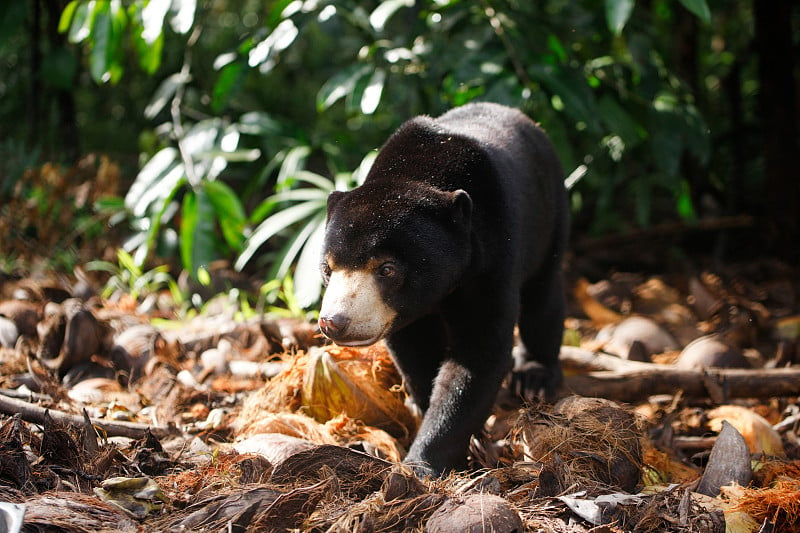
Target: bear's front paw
531, 381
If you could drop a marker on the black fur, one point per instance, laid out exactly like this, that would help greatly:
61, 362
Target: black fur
471, 208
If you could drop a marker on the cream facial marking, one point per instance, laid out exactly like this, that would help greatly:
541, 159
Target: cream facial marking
353, 311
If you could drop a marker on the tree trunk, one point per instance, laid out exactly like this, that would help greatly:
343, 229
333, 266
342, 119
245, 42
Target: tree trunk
773, 29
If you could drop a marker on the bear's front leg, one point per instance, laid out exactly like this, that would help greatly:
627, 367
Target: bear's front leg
462, 399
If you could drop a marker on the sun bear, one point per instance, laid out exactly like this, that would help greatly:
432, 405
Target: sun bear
456, 235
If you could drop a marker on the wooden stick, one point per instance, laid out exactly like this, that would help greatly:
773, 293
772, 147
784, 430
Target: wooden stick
631, 381
35, 414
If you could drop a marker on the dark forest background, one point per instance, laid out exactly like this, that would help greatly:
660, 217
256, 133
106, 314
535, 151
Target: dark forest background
188, 132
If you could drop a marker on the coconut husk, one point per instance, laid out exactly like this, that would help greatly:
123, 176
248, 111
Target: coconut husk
590, 443
362, 384
778, 504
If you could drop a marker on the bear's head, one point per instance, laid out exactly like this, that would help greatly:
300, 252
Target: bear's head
392, 252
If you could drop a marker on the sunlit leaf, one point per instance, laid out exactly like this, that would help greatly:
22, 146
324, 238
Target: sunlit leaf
164, 93
183, 15
148, 181
153, 20
340, 85
699, 8
372, 93
381, 14
617, 14
279, 39
293, 246
294, 160
274, 224
66, 15
81, 26
307, 279
276, 12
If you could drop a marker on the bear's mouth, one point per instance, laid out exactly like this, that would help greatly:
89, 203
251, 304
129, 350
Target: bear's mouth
360, 343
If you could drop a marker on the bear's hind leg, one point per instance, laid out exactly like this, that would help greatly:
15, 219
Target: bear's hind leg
541, 328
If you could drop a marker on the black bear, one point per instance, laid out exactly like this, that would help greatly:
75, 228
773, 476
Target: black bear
456, 235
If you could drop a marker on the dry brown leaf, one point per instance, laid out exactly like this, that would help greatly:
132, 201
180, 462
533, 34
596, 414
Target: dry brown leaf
600, 314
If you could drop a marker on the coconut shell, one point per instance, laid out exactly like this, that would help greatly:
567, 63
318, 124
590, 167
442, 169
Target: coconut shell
711, 351
474, 513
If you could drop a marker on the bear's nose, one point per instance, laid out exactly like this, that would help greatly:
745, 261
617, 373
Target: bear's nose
334, 325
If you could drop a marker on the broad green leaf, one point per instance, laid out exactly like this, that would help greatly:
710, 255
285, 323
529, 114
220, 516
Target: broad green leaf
618, 121
276, 12
229, 77
617, 14
340, 85
197, 231
666, 134
698, 140
66, 15
274, 224
158, 218
381, 14
578, 99
229, 211
119, 28
554, 44
699, 8
684, 204
101, 31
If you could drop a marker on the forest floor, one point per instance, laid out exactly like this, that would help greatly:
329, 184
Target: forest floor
679, 411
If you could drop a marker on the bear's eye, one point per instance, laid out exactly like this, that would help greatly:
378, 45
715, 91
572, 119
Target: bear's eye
326, 270
387, 270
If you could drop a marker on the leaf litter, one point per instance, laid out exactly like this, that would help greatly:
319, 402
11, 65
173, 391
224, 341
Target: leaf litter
115, 418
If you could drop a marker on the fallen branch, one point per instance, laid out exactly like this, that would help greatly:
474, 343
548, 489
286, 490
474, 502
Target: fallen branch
660, 231
632, 381
35, 414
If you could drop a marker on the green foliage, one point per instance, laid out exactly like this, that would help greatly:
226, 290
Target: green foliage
278, 297
301, 89
129, 278
104, 25
179, 183
297, 212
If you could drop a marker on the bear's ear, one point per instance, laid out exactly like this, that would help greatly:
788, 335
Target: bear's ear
333, 199
461, 206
